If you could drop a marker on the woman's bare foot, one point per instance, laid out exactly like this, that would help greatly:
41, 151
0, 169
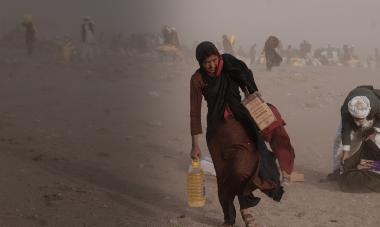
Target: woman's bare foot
285, 178
248, 218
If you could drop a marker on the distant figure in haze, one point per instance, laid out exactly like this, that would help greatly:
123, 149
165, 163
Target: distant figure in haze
377, 57
227, 45
305, 48
271, 55
241, 52
329, 51
346, 55
252, 54
289, 54
170, 36
370, 62
30, 33
88, 39
68, 49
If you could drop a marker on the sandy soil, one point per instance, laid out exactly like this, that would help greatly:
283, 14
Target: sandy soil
107, 144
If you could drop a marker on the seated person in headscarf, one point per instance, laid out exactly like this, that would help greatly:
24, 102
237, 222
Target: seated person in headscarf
361, 172
360, 121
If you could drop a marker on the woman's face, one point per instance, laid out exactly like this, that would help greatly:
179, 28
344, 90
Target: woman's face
210, 64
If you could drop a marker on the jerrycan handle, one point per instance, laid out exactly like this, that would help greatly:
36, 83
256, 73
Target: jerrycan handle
195, 163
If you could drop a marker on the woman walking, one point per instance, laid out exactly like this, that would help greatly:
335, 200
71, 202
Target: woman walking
241, 159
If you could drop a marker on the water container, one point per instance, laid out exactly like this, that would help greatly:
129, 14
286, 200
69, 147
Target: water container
196, 192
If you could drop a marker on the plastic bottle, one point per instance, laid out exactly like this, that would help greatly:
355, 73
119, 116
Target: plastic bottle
196, 192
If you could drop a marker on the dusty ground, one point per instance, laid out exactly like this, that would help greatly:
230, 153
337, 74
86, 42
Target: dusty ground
107, 144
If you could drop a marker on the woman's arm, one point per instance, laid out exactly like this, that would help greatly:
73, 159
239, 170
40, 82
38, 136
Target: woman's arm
195, 115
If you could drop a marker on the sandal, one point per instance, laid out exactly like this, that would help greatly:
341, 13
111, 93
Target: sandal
248, 218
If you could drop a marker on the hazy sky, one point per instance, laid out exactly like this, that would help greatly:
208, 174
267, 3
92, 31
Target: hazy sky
355, 22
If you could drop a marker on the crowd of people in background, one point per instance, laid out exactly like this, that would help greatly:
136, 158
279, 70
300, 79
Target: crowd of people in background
93, 42
324, 56
273, 53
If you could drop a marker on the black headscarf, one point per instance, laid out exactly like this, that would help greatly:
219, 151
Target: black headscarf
204, 50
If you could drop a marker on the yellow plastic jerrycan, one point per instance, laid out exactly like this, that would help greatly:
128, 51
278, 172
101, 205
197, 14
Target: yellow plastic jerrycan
68, 51
196, 191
